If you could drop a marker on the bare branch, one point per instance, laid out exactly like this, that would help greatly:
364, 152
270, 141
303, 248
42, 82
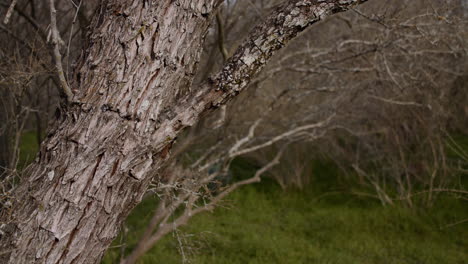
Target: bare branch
65, 89
10, 11
282, 136
278, 29
255, 178
246, 139
263, 42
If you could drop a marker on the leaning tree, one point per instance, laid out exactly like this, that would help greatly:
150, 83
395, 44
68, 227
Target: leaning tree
128, 100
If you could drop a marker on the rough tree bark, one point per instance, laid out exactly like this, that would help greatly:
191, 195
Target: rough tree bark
131, 100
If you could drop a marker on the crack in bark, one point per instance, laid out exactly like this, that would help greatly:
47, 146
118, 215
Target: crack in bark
93, 173
73, 234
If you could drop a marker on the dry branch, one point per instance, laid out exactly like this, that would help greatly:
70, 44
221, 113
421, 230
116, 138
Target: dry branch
9, 11
56, 41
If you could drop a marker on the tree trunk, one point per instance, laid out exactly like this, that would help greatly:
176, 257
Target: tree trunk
94, 167
131, 100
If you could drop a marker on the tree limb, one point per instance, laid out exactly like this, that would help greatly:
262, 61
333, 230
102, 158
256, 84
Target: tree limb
285, 23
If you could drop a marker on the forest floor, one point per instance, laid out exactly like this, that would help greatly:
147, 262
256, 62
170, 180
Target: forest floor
323, 223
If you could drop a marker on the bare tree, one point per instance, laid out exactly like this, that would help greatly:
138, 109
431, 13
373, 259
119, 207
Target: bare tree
394, 77
128, 106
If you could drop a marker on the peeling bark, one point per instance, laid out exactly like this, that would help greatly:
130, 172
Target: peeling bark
95, 165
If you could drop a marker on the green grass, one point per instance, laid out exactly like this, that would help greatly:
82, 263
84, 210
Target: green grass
263, 224
29, 148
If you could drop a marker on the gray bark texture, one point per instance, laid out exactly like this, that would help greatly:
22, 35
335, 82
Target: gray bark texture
131, 99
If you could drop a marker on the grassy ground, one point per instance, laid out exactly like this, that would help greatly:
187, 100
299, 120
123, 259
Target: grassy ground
263, 224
